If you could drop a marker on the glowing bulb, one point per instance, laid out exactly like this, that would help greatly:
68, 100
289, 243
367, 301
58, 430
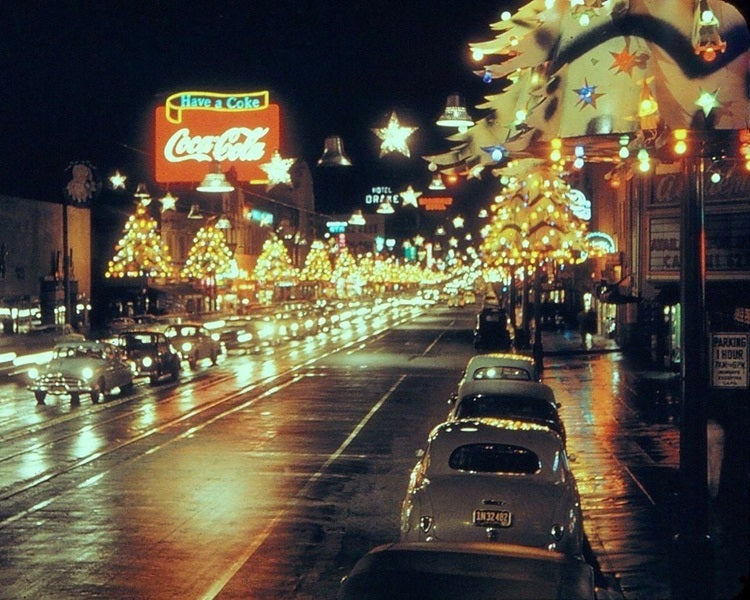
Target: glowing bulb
555, 155
624, 152
584, 20
715, 177
680, 147
477, 54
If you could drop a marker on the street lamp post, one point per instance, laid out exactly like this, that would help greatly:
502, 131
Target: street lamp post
693, 544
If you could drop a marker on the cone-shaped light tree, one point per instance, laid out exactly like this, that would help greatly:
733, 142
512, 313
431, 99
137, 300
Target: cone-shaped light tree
209, 260
274, 267
344, 270
140, 251
318, 269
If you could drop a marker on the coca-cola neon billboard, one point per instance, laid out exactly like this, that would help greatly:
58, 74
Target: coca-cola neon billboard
194, 129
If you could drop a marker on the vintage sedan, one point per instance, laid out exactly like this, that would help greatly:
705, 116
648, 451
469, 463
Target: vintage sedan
501, 365
467, 571
80, 366
150, 354
194, 342
507, 399
493, 330
495, 480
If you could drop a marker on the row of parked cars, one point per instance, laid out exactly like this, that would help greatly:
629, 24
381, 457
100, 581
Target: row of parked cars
492, 508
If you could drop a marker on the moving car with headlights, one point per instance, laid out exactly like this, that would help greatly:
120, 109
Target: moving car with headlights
194, 342
507, 399
493, 330
80, 366
501, 365
467, 571
496, 480
150, 354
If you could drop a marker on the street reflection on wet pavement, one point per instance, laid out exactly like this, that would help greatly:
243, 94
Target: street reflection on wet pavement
624, 437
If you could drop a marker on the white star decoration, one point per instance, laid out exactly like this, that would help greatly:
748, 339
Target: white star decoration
708, 101
394, 136
278, 169
409, 197
117, 180
458, 222
168, 202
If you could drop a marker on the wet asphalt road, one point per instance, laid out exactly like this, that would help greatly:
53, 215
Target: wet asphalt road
269, 475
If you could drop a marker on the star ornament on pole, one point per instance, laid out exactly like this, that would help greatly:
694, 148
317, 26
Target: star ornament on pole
394, 137
409, 197
277, 169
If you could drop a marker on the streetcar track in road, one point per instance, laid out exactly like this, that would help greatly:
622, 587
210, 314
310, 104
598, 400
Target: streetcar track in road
219, 584
290, 373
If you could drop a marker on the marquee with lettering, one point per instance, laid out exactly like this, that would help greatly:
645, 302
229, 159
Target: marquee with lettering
195, 128
727, 245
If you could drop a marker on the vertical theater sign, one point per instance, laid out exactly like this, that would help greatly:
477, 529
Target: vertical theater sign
198, 128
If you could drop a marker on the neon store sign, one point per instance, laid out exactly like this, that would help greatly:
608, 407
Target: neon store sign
194, 129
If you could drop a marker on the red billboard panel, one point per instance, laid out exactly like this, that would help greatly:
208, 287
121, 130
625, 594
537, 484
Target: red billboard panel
194, 129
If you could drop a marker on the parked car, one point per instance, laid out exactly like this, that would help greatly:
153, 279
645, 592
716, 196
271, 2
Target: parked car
466, 571
493, 330
495, 480
81, 366
501, 365
194, 342
150, 354
507, 399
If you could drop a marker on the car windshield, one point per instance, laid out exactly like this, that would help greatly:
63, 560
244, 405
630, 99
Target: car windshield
135, 341
77, 352
494, 458
504, 407
514, 373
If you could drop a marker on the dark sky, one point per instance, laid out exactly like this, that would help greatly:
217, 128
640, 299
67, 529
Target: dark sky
78, 79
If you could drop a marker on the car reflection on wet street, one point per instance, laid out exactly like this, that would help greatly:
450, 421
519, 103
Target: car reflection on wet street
271, 475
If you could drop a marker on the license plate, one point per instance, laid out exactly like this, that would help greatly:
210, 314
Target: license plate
492, 518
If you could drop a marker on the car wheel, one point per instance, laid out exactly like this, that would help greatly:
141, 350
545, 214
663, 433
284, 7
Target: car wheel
40, 396
175, 375
127, 388
75, 399
154, 379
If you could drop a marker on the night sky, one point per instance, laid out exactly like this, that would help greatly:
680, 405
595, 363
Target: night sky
79, 80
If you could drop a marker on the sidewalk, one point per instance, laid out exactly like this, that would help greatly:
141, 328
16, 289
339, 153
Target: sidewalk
623, 428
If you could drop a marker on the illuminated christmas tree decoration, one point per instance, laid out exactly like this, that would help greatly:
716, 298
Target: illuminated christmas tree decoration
625, 62
117, 180
277, 169
140, 252
318, 268
209, 256
394, 137
707, 101
409, 197
274, 265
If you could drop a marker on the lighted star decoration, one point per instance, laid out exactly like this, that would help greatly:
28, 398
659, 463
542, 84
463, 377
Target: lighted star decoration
418, 240
168, 202
453, 242
394, 137
458, 222
587, 95
277, 169
708, 101
117, 180
409, 197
